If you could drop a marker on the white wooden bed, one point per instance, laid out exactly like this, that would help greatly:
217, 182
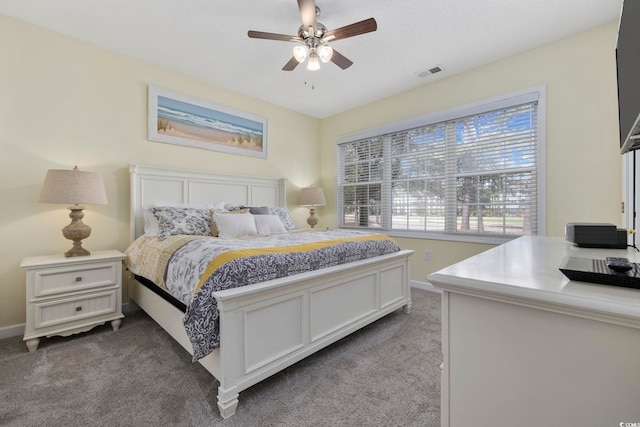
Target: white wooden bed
309, 310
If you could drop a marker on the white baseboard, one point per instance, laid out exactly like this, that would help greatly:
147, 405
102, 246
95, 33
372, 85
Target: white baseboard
426, 286
11, 331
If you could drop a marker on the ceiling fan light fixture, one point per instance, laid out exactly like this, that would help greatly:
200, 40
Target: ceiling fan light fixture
313, 63
300, 52
325, 52
313, 37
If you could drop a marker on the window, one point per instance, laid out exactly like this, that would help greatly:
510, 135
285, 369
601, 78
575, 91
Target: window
470, 172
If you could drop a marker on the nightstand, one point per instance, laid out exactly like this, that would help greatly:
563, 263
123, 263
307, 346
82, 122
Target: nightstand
70, 295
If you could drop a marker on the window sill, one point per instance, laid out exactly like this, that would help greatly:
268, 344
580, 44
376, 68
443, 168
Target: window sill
464, 238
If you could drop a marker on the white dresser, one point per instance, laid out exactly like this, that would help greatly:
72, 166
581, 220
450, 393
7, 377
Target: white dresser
524, 346
70, 295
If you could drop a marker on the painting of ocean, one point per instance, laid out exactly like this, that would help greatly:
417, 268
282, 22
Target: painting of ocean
178, 119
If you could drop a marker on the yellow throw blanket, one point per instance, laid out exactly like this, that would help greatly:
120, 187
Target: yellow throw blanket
148, 257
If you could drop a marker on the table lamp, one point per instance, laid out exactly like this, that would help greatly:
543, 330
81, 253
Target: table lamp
312, 197
74, 187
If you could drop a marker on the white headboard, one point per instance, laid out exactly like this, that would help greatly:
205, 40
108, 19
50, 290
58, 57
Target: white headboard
151, 185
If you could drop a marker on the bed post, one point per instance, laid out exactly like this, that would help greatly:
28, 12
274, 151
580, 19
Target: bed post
227, 403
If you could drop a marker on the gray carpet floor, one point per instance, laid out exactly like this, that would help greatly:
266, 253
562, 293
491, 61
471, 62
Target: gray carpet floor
386, 374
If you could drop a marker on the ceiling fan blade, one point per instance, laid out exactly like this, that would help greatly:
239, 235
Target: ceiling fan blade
291, 65
308, 13
340, 60
272, 36
362, 27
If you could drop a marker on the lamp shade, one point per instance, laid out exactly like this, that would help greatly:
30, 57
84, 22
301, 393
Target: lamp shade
313, 63
312, 196
73, 187
325, 52
300, 52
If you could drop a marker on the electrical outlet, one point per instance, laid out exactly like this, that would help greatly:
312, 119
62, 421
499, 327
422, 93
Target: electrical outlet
427, 255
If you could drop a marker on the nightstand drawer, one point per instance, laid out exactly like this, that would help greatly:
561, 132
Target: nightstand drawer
72, 309
75, 278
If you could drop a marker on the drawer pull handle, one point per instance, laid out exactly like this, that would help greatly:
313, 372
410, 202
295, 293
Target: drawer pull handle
78, 279
78, 308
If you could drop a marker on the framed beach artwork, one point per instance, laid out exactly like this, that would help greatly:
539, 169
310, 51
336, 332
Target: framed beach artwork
192, 122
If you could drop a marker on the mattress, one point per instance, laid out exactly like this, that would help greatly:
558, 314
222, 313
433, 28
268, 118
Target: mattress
192, 268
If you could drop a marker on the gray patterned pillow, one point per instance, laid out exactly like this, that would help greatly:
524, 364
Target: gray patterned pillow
176, 220
257, 210
283, 213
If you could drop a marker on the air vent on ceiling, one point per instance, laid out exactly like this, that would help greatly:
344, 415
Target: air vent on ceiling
433, 70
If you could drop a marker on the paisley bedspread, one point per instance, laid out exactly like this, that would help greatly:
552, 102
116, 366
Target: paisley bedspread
203, 266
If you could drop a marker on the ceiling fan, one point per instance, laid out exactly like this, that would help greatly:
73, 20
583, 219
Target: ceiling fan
312, 38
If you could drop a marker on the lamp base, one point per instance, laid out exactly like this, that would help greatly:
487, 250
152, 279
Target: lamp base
77, 250
76, 231
313, 219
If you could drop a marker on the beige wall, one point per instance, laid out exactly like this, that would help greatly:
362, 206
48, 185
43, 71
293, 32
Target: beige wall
583, 161
66, 103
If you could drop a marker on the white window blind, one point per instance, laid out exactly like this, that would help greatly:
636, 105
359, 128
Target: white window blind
473, 174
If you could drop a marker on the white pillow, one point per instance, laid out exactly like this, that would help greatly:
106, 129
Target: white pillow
151, 224
269, 224
234, 226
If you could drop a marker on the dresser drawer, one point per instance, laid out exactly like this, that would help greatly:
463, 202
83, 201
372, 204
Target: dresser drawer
67, 310
74, 278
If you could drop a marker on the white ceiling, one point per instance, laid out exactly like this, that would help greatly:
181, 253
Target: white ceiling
207, 39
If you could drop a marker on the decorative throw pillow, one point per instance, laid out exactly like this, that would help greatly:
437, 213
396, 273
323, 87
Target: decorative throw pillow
257, 210
283, 213
177, 220
234, 226
214, 225
232, 207
269, 224
151, 224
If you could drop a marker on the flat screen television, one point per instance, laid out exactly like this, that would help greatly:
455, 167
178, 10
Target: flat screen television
628, 68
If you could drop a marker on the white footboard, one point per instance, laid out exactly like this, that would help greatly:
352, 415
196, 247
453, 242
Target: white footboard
267, 327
